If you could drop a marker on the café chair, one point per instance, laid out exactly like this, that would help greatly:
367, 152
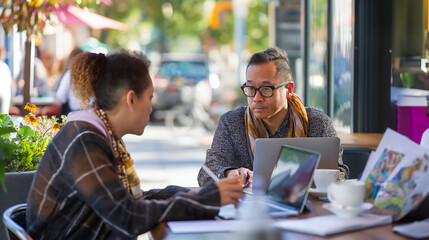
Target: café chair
355, 158
14, 221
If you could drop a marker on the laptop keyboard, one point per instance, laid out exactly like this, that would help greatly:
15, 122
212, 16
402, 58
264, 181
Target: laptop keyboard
275, 207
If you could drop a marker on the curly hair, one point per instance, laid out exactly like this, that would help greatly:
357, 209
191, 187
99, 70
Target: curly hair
100, 80
277, 55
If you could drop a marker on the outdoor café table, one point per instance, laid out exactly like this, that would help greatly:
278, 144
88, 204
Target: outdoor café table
39, 101
376, 233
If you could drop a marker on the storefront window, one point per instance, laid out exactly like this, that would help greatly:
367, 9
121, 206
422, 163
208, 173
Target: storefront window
317, 52
342, 64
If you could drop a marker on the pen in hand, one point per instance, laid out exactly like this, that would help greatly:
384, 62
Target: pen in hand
210, 173
246, 185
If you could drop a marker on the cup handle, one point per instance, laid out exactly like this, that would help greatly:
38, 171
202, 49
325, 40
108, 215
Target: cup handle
341, 177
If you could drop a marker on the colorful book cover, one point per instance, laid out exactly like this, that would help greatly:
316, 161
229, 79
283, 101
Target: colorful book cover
384, 166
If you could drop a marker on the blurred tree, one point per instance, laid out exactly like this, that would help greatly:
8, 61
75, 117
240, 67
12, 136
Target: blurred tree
31, 16
163, 21
256, 26
158, 25
175, 18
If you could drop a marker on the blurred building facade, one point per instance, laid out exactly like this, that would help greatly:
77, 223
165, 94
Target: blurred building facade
349, 56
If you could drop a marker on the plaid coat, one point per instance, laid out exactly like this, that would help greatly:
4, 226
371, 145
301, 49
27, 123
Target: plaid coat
76, 193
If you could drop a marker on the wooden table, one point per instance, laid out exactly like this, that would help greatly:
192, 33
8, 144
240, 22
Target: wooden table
368, 140
375, 233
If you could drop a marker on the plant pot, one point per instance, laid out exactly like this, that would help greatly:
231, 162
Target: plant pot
18, 185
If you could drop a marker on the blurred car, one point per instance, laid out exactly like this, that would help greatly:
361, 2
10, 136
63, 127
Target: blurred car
182, 78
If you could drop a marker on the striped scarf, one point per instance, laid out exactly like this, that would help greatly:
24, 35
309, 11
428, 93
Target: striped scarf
298, 123
124, 164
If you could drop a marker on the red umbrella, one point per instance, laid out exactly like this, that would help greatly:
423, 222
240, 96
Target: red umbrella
74, 16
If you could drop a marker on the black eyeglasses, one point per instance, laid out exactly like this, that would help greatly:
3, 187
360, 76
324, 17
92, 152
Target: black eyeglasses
265, 91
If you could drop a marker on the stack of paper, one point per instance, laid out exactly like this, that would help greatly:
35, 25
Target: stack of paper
418, 230
331, 224
204, 226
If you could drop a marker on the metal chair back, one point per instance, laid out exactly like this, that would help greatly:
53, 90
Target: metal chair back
15, 223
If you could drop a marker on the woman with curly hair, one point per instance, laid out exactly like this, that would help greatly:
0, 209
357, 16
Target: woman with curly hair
86, 186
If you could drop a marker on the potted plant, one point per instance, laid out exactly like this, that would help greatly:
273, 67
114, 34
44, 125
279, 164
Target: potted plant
21, 148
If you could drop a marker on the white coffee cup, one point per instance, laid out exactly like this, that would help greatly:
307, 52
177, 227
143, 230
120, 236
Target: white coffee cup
324, 177
349, 193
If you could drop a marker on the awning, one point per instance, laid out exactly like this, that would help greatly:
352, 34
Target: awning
74, 16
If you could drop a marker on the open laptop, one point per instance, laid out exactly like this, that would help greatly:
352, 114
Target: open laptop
290, 180
267, 150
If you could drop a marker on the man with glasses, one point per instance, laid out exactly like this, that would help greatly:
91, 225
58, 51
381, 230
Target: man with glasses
273, 111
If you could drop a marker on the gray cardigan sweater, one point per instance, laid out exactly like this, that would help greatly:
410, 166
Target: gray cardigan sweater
230, 150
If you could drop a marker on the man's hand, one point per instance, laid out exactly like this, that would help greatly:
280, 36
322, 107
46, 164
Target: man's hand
230, 191
243, 175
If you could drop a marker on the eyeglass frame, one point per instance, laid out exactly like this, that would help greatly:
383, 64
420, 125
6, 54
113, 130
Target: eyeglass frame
257, 89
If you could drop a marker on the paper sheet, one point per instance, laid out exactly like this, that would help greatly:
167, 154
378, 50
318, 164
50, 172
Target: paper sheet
331, 224
415, 230
391, 141
204, 226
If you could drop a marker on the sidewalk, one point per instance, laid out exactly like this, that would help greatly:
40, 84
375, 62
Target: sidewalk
164, 157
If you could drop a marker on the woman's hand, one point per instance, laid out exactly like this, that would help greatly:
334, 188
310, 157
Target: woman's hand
230, 191
244, 175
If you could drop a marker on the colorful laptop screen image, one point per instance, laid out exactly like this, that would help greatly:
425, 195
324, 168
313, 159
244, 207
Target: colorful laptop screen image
292, 176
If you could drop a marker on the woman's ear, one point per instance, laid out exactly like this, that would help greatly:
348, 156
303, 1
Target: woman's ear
289, 88
130, 99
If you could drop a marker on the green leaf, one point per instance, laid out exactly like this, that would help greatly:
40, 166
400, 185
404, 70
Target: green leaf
5, 120
6, 151
2, 173
6, 130
25, 132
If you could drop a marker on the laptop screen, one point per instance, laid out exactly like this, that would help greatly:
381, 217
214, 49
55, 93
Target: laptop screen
292, 176
267, 151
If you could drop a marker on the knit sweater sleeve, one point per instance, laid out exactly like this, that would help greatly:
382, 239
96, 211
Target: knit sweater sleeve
229, 147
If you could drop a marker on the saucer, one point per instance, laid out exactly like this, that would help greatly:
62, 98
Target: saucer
317, 193
347, 212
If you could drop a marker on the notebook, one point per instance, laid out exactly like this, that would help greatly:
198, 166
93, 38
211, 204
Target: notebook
331, 224
267, 150
289, 182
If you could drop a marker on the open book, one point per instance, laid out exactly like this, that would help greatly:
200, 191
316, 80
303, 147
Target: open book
396, 175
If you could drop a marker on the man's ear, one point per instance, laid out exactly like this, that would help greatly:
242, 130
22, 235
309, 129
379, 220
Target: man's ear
130, 99
289, 88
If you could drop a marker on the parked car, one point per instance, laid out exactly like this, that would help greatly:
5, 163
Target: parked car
179, 72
